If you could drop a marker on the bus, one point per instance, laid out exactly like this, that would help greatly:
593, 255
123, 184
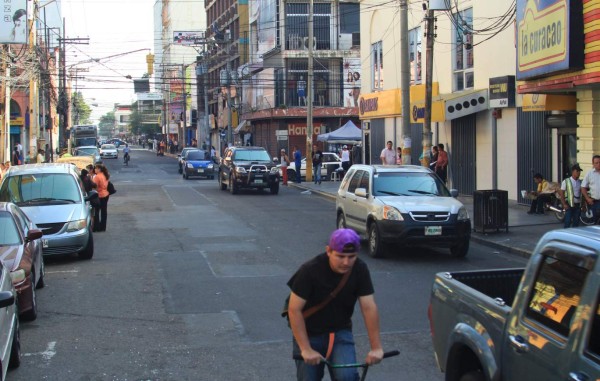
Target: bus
84, 135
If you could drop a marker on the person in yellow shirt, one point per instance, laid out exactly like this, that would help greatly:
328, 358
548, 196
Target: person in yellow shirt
542, 195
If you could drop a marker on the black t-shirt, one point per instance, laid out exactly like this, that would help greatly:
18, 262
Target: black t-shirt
315, 280
317, 157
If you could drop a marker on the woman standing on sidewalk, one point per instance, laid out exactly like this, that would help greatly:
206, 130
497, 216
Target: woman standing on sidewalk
101, 212
285, 161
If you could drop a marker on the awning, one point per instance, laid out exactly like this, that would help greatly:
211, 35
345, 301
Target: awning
465, 103
239, 127
549, 102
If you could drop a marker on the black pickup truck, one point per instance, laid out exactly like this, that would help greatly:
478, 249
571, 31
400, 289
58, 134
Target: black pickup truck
537, 323
248, 167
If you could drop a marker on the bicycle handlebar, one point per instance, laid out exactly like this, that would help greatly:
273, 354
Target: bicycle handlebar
393, 353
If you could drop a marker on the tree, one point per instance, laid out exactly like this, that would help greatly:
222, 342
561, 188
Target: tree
81, 110
107, 124
141, 125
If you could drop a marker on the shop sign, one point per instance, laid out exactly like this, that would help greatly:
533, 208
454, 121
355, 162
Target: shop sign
417, 112
502, 91
380, 104
550, 37
300, 130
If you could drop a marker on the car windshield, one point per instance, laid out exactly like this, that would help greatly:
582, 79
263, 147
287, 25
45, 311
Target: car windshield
197, 155
85, 152
408, 184
40, 189
9, 235
251, 155
108, 146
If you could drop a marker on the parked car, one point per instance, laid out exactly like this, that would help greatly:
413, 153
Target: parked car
53, 197
117, 142
10, 334
402, 205
331, 162
21, 253
182, 154
537, 323
248, 167
109, 151
92, 151
198, 163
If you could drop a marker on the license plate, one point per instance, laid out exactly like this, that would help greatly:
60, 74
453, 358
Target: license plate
433, 230
44, 243
200, 170
258, 181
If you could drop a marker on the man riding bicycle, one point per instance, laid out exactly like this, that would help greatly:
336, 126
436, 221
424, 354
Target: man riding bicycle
126, 154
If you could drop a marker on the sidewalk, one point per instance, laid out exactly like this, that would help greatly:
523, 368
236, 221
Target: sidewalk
524, 230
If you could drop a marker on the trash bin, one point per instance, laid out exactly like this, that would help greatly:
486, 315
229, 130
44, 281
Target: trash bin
490, 209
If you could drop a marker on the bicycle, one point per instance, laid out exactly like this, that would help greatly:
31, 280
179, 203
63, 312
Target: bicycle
587, 216
364, 366
126, 159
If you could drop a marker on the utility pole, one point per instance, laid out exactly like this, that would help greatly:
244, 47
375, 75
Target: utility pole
183, 137
6, 67
309, 95
34, 103
228, 37
405, 84
428, 87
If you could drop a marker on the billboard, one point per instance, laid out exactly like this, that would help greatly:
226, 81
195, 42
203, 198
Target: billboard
351, 78
13, 26
550, 37
189, 38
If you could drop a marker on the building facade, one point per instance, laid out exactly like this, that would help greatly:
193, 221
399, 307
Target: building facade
496, 138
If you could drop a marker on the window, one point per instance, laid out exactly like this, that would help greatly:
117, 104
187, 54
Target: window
593, 347
355, 182
408, 184
9, 235
364, 181
463, 51
414, 55
349, 18
296, 30
556, 294
377, 66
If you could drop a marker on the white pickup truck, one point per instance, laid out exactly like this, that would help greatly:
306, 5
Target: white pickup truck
537, 323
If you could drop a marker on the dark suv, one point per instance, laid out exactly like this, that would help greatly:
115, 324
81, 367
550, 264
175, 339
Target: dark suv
248, 167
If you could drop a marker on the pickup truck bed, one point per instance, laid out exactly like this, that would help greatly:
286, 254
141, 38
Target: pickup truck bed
495, 284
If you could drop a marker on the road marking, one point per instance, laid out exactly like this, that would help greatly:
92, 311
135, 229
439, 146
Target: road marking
62, 271
47, 354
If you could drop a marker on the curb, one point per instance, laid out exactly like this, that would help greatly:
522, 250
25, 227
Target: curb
495, 245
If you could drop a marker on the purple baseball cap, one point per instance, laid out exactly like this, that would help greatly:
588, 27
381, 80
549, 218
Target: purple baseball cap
344, 241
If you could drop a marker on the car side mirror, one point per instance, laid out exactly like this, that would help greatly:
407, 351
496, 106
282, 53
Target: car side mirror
361, 192
34, 234
454, 193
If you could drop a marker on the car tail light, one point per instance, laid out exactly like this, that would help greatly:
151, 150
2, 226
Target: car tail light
429, 314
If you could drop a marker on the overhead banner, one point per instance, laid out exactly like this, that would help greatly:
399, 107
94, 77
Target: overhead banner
550, 37
13, 26
189, 38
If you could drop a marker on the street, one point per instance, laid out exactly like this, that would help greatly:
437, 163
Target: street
188, 283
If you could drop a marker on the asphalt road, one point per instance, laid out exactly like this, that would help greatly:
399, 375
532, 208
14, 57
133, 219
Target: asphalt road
188, 282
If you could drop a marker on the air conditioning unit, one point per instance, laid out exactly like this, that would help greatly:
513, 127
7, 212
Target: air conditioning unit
345, 41
305, 43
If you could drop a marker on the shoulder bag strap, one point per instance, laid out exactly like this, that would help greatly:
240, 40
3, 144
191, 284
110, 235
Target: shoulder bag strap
314, 309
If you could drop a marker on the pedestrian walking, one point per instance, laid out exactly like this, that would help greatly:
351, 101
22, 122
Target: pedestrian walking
441, 165
590, 187
399, 156
345, 156
15, 157
298, 163
317, 161
334, 281
433, 157
47, 154
570, 196
101, 178
388, 156
285, 161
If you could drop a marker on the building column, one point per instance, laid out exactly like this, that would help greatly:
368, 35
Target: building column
588, 132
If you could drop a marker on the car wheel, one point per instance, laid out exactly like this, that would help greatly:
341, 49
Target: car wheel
341, 221
31, 315
88, 252
460, 250
221, 183
275, 188
376, 247
41, 282
232, 188
15, 348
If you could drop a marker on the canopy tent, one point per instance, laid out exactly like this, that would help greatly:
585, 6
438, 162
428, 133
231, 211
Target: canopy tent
348, 133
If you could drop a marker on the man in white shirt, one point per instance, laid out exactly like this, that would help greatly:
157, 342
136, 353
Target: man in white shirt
388, 155
590, 186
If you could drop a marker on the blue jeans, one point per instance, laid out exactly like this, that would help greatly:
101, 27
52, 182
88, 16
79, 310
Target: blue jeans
572, 216
298, 174
317, 172
343, 353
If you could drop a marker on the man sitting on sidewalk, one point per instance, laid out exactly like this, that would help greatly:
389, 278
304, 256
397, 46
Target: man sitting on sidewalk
544, 192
